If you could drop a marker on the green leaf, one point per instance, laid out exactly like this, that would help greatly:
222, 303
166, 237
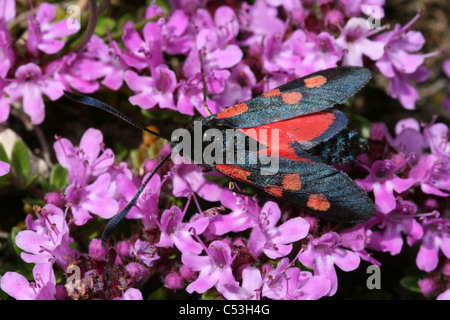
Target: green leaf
127, 16
59, 178
3, 295
20, 160
121, 152
21, 267
164, 5
158, 294
3, 155
134, 155
209, 295
44, 183
32, 180
12, 240
4, 180
103, 24
410, 283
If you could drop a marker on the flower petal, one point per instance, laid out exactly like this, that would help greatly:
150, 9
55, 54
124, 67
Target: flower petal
17, 286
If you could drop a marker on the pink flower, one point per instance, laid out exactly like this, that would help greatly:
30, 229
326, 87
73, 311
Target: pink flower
4, 168
289, 283
275, 241
177, 34
244, 213
400, 43
132, 294
409, 139
106, 61
323, 253
145, 252
401, 64
75, 70
436, 238
189, 178
7, 54
398, 223
444, 295
94, 198
322, 52
175, 232
238, 87
42, 35
30, 84
401, 87
190, 97
214, 268
7, 11
383, 181
92, 188
427, 172
251, 286
215, 42
42, 288
302, 285
353, 8
145, 52
251, 22
47, 238
146, 207
438, 136
156, 90
432, 171
153, 10
354, 39
86, 160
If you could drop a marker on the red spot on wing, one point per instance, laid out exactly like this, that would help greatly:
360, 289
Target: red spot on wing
233, 171
286, 152
318, 202
291, 97
301, 129
315, 82
291, 181
274, 190
272, 93
232, 111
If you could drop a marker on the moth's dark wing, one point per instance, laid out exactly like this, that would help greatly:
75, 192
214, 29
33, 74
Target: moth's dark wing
316, 187
298, 111
313, 93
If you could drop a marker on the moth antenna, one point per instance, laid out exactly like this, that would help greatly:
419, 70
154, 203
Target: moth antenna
205, 89
103, 106
118, 217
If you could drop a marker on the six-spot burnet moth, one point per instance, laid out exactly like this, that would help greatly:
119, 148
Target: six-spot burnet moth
310, 138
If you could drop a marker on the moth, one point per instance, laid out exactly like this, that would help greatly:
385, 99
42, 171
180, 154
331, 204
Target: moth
294, 126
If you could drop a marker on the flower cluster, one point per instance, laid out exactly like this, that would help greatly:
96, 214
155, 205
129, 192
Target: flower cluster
209, 247
277, 49
411, 188
238, 247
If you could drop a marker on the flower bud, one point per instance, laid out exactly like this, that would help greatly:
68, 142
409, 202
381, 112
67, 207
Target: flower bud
173, 281
96, 250
138, 271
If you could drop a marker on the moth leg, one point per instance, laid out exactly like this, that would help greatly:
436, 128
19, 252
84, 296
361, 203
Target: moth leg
232, 185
